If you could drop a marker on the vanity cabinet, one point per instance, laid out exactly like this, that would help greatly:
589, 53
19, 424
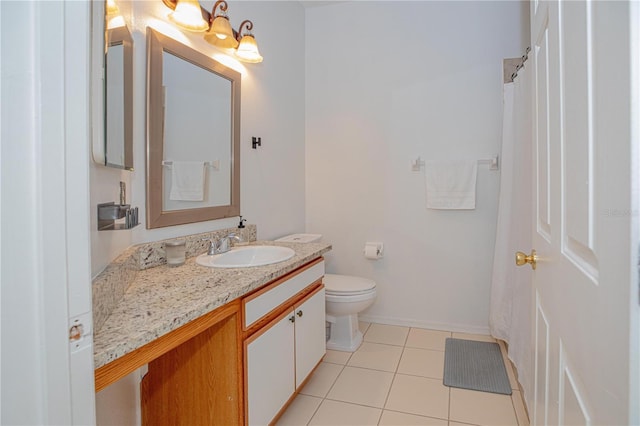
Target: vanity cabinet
261, 346
284, 346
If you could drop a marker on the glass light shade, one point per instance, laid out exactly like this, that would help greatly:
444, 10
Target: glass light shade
187, 15
226, 43
112, 7
248, 50
222, 28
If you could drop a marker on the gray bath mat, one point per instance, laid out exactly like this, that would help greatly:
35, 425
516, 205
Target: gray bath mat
475, 365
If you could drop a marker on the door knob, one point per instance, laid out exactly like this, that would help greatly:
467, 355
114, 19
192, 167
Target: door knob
522, 258
299, 313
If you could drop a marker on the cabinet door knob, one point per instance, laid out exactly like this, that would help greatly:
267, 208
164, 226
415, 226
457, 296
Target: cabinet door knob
292, 318
299, 313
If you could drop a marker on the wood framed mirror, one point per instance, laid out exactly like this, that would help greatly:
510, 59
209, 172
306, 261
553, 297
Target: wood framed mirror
193, 121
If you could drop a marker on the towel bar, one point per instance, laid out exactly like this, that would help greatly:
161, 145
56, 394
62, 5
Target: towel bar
215, 164
492, 162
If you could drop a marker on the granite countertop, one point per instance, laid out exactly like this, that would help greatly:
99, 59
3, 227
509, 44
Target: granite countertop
162, 299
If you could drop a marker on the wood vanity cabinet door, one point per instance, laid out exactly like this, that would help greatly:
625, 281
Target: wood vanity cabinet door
198, 382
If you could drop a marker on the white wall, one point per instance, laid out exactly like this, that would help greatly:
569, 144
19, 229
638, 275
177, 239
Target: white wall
272, 177
119, 404
387, 82
104, 187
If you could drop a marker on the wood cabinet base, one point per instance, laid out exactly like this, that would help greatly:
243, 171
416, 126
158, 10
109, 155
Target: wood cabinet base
198, 382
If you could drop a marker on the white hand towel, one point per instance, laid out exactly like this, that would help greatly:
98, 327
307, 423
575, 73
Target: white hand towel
187, 181
451, 185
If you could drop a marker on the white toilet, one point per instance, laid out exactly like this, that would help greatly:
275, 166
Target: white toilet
346, 296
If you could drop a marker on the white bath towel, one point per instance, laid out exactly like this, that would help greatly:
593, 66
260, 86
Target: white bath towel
187, 181
451, 185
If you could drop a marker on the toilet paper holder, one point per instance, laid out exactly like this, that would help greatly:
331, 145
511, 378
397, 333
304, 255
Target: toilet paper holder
373, 250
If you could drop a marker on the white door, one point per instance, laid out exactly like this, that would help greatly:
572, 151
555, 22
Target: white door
46, 279
585, 303
270, 369
310, 335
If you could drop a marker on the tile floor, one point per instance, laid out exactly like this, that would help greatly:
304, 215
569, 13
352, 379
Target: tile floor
395, 378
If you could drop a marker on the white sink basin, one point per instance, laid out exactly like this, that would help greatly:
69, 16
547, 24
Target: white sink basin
244, 257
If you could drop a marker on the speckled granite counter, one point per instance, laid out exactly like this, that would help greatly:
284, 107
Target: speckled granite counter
161, 299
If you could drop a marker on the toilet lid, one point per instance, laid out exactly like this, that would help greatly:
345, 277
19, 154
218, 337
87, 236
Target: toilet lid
347, 284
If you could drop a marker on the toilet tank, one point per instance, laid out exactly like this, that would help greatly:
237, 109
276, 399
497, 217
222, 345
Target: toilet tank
301, 238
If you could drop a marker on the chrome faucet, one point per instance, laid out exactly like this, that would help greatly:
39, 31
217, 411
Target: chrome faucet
223, 244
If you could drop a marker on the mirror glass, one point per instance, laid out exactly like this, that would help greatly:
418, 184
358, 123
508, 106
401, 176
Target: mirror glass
193, 131
111, 88
119, 98
189, 104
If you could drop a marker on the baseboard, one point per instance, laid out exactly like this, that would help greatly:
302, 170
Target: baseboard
407, 322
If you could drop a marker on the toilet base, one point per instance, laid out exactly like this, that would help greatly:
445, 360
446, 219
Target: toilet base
344, 335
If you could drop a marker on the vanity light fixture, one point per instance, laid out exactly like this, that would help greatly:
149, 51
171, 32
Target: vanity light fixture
220, 25
190, 16
186, 14
247, 51
221, 34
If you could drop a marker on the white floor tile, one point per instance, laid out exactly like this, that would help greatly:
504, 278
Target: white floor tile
322, 380
337, 357
481, 408
386, 334
427, 339
363, 326
393, 418
422, 362
419, 395
302, 408
361, 386
335, 413
376, 357
395, 378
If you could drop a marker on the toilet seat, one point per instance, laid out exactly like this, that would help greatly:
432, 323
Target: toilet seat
347, 285
351, 298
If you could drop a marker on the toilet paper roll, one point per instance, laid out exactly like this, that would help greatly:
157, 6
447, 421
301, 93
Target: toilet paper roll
373, 250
